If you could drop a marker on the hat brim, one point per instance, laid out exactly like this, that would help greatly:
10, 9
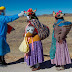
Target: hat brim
2, 8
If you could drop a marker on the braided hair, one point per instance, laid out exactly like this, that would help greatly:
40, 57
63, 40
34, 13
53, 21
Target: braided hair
33, 16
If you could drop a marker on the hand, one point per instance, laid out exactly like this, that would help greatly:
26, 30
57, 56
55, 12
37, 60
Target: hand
26, 55
60, 41
21, 14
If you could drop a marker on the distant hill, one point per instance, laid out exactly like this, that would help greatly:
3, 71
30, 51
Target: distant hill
67, 14
50, 15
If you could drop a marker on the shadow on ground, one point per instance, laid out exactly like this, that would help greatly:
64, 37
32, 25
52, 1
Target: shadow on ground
44, 65
16, 62
68, 65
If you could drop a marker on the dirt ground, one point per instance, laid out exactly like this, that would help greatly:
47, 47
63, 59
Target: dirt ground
15, 38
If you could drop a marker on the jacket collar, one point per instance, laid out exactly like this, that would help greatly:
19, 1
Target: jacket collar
59, 20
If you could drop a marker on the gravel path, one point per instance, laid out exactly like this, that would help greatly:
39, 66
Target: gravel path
22, 67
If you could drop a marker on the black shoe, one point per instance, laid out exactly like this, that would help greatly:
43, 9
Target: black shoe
0, 62
4, 63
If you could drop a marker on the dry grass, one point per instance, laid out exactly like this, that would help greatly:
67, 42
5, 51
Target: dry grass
15, 38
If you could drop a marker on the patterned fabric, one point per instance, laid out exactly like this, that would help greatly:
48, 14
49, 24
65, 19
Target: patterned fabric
62, 22
43, 30
35, 56
4, 47
62, 54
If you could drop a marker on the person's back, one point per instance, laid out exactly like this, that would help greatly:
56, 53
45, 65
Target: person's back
59, 53
61, 29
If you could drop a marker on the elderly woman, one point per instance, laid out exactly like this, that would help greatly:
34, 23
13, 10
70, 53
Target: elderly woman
59, 53
4, 47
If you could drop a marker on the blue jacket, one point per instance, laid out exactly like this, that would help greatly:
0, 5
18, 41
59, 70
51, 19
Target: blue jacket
4, 47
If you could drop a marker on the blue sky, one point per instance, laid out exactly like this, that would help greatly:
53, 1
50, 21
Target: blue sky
43, 6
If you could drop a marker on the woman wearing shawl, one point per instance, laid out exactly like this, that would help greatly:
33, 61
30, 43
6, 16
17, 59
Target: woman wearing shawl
59, 53
35, 55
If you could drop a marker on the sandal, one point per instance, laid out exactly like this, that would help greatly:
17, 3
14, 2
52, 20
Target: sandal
34, 69
60, 68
